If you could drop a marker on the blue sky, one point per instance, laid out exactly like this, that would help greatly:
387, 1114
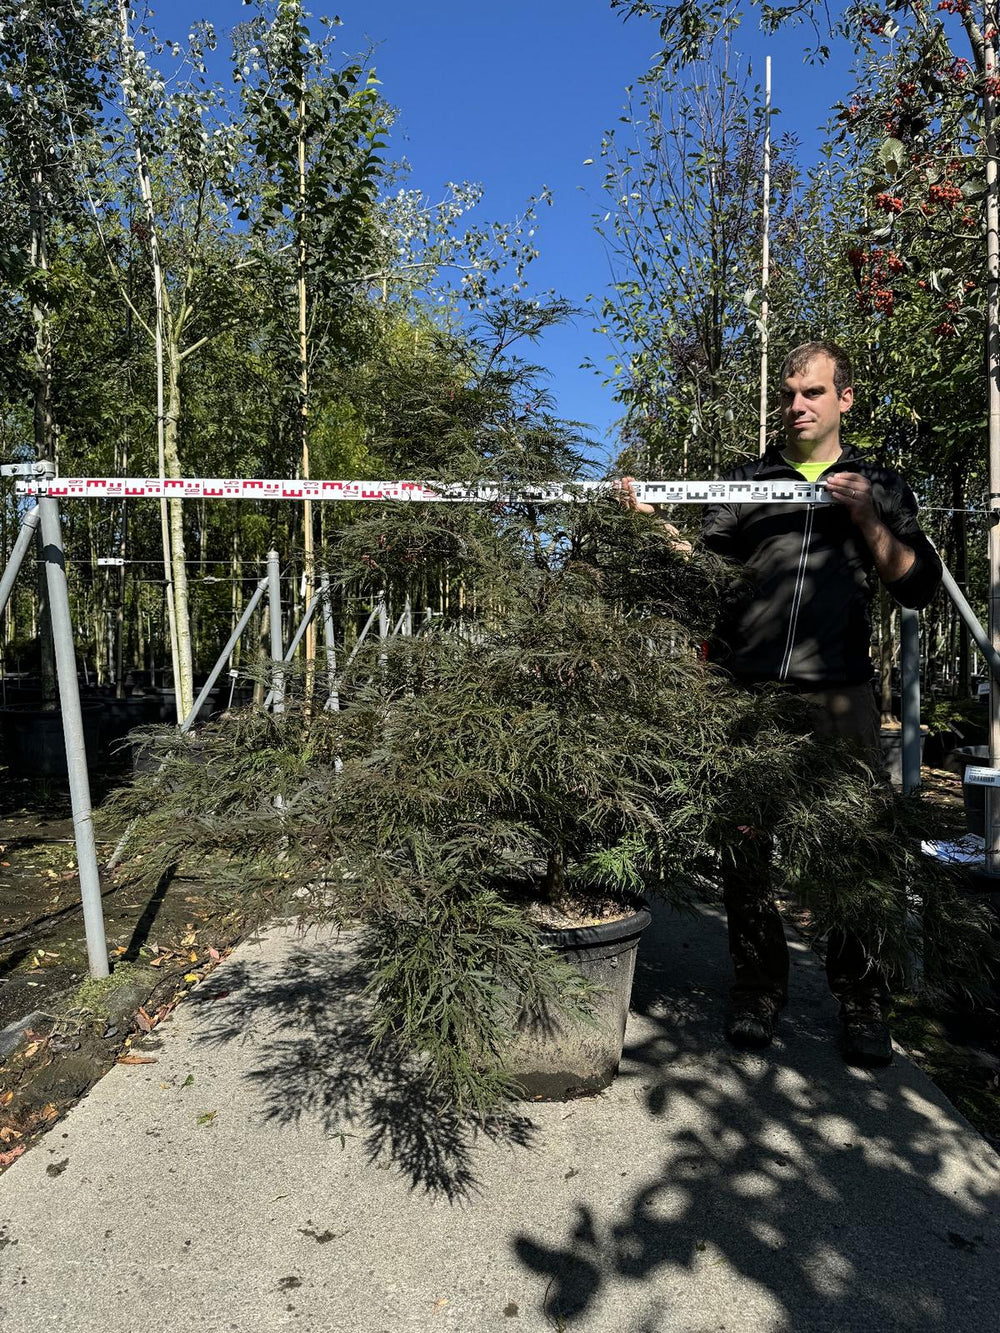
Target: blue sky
517, 97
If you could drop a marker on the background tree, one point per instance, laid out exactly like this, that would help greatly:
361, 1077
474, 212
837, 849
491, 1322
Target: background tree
683, 179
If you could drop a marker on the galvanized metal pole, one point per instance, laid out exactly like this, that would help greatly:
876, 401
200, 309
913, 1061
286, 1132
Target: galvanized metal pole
993, 414
24, 540
216, 671
765, 264
274, 614
909, 670
383, 627
72, 718
297, 638
333, 693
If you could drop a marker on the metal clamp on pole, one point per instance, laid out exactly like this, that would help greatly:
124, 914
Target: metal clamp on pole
35, 469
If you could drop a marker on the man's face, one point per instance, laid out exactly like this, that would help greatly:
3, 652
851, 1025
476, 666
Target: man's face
811, 408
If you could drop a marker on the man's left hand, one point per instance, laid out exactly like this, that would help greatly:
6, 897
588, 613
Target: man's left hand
854, 492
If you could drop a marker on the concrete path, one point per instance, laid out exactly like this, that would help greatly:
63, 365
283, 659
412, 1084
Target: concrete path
265, 1174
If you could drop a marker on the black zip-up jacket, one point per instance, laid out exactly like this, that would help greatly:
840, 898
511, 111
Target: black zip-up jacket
802, 614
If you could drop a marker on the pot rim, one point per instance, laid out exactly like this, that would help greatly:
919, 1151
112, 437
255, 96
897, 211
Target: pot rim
605, 932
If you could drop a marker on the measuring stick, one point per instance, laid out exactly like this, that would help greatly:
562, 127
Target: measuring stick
220, 488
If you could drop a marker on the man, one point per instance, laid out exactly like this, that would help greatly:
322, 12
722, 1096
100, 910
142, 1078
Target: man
803, 619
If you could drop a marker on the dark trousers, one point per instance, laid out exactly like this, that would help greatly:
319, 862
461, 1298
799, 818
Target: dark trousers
756, 935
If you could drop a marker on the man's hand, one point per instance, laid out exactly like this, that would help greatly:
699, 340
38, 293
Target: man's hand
624, 492
892, 557
854, 492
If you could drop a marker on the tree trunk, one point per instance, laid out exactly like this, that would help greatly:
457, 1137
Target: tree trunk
44, 437
307, 513
178, 554
960, 532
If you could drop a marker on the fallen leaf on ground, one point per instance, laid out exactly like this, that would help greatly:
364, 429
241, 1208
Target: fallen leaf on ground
8, 1133
7, 1157
206, 1117
191, 976
214, 953
137, 1060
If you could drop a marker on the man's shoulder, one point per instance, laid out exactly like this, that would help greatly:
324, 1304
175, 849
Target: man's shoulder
749, 468
874, 468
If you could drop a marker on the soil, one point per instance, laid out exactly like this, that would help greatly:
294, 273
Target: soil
60, 1030
68, 1030
570, 913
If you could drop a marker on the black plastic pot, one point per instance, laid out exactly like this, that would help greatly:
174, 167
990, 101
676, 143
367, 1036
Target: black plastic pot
555, 1058
168, 706
121, 716
34, 745
974, 798
891, 742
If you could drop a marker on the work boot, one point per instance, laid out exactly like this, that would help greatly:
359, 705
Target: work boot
866, 1040
750, 1020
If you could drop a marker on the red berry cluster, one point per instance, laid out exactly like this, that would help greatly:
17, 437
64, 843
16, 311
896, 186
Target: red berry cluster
959, 69
955, 6
945, 329
873, 293
890, 203
945, 194
873, 23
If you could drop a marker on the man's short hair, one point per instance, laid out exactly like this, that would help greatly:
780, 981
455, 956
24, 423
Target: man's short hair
799, 358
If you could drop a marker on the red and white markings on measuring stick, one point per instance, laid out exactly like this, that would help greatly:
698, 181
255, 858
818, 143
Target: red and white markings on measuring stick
221, 488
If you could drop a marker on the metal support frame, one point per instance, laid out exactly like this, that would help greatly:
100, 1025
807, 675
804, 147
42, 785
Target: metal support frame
274, 615
297, 638
72, 719
383, 626
216, 671
332, 704
20, 549
979, 635
909, 672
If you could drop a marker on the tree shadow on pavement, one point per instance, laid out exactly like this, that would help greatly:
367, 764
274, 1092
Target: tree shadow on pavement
314, 1061
819, 1197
